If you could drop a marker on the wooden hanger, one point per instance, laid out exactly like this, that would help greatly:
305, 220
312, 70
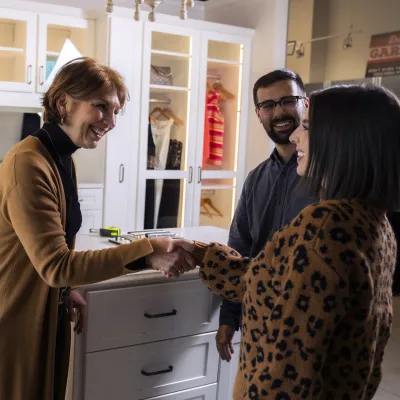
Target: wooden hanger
172, 115
160, 111
219, 87
207, 202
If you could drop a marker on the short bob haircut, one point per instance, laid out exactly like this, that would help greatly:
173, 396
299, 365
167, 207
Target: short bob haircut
354, 145
82, 79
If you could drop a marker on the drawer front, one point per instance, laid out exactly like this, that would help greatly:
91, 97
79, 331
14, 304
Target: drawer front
154, 369
90, 220
90, 199
129, 316
208, 392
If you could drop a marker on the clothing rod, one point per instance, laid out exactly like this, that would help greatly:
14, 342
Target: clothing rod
218, 77
160, 101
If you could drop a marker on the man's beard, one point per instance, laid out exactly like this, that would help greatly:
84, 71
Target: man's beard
281, 137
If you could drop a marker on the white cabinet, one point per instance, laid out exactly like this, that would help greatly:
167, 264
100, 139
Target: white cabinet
30, 44
119, 43
53, 32
149, 340
199, 182
228, 371
208, 392
17, 50
149, 370
90, 197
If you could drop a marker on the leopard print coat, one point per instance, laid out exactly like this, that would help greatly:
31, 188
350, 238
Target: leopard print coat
317, 304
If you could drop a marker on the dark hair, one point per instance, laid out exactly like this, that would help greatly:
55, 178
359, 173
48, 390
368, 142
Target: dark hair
278, 75
82, 78
354, 143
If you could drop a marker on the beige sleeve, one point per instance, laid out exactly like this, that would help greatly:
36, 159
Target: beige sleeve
32, 209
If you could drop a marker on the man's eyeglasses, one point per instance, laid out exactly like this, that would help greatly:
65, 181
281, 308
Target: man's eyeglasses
287, 103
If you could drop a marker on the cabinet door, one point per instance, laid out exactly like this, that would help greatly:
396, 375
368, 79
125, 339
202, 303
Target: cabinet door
149, 370
121, 39
228, 371
17, 50
168, 126
54, 31
208, 392
221, 140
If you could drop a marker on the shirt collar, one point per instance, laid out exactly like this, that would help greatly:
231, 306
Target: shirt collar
61, 141
275, 158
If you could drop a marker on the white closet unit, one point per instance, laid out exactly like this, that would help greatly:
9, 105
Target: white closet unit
17, 50
174, 195
53, 32
30, 43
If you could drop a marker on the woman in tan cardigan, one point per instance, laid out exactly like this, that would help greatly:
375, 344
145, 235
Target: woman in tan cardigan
39, 218
317, 301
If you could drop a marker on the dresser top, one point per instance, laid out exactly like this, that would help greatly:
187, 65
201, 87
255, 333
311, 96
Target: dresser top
205, 234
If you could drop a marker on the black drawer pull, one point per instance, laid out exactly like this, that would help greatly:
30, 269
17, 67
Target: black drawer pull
170, 314
164, 371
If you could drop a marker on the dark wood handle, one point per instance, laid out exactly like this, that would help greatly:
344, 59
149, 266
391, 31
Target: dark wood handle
164, 371
170, 314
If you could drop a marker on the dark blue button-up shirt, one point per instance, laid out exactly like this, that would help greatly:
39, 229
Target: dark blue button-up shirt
271, 198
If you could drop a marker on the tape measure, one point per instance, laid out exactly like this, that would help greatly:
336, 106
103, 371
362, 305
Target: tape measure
110, 231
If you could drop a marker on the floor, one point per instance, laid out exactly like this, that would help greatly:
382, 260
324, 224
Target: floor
390, 385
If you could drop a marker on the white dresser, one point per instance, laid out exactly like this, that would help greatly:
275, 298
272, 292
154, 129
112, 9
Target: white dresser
151, 338
90, 196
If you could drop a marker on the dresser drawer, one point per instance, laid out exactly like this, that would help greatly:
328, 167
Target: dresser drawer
208, 392
154, 369
144, 314
90, 199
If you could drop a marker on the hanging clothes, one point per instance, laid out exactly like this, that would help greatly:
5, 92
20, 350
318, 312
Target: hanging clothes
206, 140
161, 133
171, 191
150, 183
216, 128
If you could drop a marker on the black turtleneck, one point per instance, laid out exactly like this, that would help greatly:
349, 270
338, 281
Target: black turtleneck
61, 148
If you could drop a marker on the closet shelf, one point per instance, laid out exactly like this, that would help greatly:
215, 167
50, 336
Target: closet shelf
216, 63
52, 53
170, 54
11, 51
164, 88
218, 187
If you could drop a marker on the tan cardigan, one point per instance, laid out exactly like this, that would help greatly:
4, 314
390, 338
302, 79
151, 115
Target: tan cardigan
34, 262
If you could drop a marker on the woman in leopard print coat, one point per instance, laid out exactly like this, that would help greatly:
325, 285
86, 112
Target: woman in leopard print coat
317, 301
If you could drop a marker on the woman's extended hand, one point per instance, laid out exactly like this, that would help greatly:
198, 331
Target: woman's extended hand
76, 306
187, 245
169, 259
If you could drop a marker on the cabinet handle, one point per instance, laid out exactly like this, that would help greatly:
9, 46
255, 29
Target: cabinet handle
121, 173
170, 314
199, 178
29, 74
190, 174
163, 371
41, 78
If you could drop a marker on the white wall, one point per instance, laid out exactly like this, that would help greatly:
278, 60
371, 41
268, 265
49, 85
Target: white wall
329, 61
372, 17
269, 19
300, 11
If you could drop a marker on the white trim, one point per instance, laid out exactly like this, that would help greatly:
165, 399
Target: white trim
170, 54
169, 88
12, 49
44, 8
226, 62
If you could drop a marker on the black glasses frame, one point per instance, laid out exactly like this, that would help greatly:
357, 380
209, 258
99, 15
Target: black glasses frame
260, 105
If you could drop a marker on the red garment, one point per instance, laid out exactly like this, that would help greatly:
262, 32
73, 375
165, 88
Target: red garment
206, 141
216, 128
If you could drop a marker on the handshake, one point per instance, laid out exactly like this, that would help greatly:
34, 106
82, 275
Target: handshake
173, 257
